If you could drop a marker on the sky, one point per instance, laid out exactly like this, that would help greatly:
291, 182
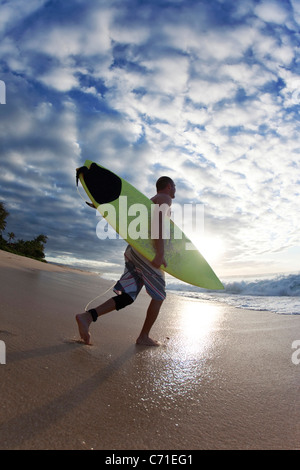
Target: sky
206, 92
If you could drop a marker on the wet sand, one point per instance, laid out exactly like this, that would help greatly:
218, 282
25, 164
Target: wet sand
223, 378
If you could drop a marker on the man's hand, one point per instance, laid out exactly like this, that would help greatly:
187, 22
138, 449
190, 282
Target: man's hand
158, 261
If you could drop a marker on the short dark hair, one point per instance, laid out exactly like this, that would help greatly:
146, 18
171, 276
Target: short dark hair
163, 182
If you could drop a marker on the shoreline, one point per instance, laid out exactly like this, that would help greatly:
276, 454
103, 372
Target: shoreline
15, 261
223, 377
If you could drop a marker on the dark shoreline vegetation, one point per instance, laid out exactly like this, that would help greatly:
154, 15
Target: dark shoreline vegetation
30, 248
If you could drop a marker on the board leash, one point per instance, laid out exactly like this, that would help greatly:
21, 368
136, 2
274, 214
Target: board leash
98, 296
80, 194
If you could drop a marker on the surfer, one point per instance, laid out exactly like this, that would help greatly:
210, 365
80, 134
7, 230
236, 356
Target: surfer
138, 272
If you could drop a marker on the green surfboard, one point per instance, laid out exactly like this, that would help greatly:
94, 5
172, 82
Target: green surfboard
129, 212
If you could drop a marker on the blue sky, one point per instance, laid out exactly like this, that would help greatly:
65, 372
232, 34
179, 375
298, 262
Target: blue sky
207, 92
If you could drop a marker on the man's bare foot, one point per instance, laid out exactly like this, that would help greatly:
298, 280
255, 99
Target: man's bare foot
146, 341
83, 321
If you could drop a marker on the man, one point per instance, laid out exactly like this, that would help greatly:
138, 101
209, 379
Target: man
138, 272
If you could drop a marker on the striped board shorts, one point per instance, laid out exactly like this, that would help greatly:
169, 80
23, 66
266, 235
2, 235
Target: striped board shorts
138, 273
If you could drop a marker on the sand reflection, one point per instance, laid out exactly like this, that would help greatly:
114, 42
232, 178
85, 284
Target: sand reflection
186, 364
197, 323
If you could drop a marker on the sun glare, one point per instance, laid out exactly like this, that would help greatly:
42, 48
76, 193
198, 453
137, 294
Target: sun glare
212, 248
197, 324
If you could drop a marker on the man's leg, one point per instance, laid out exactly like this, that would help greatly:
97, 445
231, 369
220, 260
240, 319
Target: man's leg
152, 314
85, 319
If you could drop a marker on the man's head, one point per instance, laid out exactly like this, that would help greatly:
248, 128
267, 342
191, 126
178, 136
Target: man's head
166, 185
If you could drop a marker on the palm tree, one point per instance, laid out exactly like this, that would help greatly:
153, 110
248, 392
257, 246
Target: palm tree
11, 236
3, 215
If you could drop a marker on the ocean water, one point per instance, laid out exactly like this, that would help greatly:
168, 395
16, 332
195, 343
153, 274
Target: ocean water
275, 293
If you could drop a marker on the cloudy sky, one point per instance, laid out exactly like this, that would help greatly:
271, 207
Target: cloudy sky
205, 91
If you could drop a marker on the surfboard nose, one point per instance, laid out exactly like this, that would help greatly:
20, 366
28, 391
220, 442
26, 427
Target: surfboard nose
102, 184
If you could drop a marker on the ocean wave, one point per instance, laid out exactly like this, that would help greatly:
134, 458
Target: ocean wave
279, 294
279, 286
273, 286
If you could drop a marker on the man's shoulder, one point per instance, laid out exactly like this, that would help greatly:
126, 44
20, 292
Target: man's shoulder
161, 198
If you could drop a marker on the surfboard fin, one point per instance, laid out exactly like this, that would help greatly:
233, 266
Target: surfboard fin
91, 205
83, 169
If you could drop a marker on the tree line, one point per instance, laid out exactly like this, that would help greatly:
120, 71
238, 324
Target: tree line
30, 248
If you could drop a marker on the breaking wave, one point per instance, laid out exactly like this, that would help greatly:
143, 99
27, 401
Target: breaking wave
280, 294
280, 286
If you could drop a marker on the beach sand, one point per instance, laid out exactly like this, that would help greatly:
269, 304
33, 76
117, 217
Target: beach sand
223, 378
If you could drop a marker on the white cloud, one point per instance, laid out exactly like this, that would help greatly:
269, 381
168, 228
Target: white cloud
16, 11
249, 77
185, 95
169, 75
90, 37
296, 9
291, 91
209, 92
129, 35
61, 78
284, 54
272, 11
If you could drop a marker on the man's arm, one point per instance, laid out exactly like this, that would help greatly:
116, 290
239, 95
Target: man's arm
159, 244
